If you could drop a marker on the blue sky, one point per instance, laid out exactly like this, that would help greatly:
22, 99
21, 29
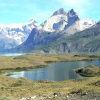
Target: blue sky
22, 11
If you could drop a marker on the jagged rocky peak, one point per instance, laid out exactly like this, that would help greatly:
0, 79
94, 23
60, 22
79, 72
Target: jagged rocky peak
72, 13
59, 12
33, 21
60, 20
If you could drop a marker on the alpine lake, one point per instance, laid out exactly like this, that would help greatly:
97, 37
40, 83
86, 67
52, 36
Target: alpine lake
28, 75
55, 71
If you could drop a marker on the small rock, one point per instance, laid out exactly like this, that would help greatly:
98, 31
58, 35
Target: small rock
23, 98
67, 97
32, 98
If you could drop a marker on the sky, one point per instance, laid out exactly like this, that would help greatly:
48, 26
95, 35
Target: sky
22, 11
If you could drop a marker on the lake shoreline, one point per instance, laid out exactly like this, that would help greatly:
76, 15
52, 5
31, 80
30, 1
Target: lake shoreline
11, 87
44, 62
38, 62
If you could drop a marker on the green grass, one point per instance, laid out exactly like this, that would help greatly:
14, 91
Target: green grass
4, 98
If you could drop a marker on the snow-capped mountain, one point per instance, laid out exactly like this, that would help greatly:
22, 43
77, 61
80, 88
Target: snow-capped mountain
67, 22
18, 32
60, 20
15, 34
59, 25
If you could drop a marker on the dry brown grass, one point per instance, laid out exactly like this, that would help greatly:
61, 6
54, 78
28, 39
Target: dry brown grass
10, 87
89, 70
35, 60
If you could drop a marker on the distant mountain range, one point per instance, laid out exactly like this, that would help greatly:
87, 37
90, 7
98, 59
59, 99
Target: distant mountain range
62, 33
15, 34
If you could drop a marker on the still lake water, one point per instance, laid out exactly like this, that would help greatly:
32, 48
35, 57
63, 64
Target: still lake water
55, 71
12, 54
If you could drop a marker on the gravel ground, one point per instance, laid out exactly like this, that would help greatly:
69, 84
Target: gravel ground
90, 96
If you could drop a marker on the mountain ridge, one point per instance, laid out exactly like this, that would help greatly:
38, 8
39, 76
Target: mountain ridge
59, 26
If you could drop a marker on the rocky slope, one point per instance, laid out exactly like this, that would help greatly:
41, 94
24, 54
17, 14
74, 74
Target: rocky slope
84, 41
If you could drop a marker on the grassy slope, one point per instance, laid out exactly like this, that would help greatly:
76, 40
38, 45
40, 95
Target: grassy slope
21, 87
90, 70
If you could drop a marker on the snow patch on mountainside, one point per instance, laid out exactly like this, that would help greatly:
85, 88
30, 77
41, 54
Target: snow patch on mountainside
88, 22
80, 25
53, 23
